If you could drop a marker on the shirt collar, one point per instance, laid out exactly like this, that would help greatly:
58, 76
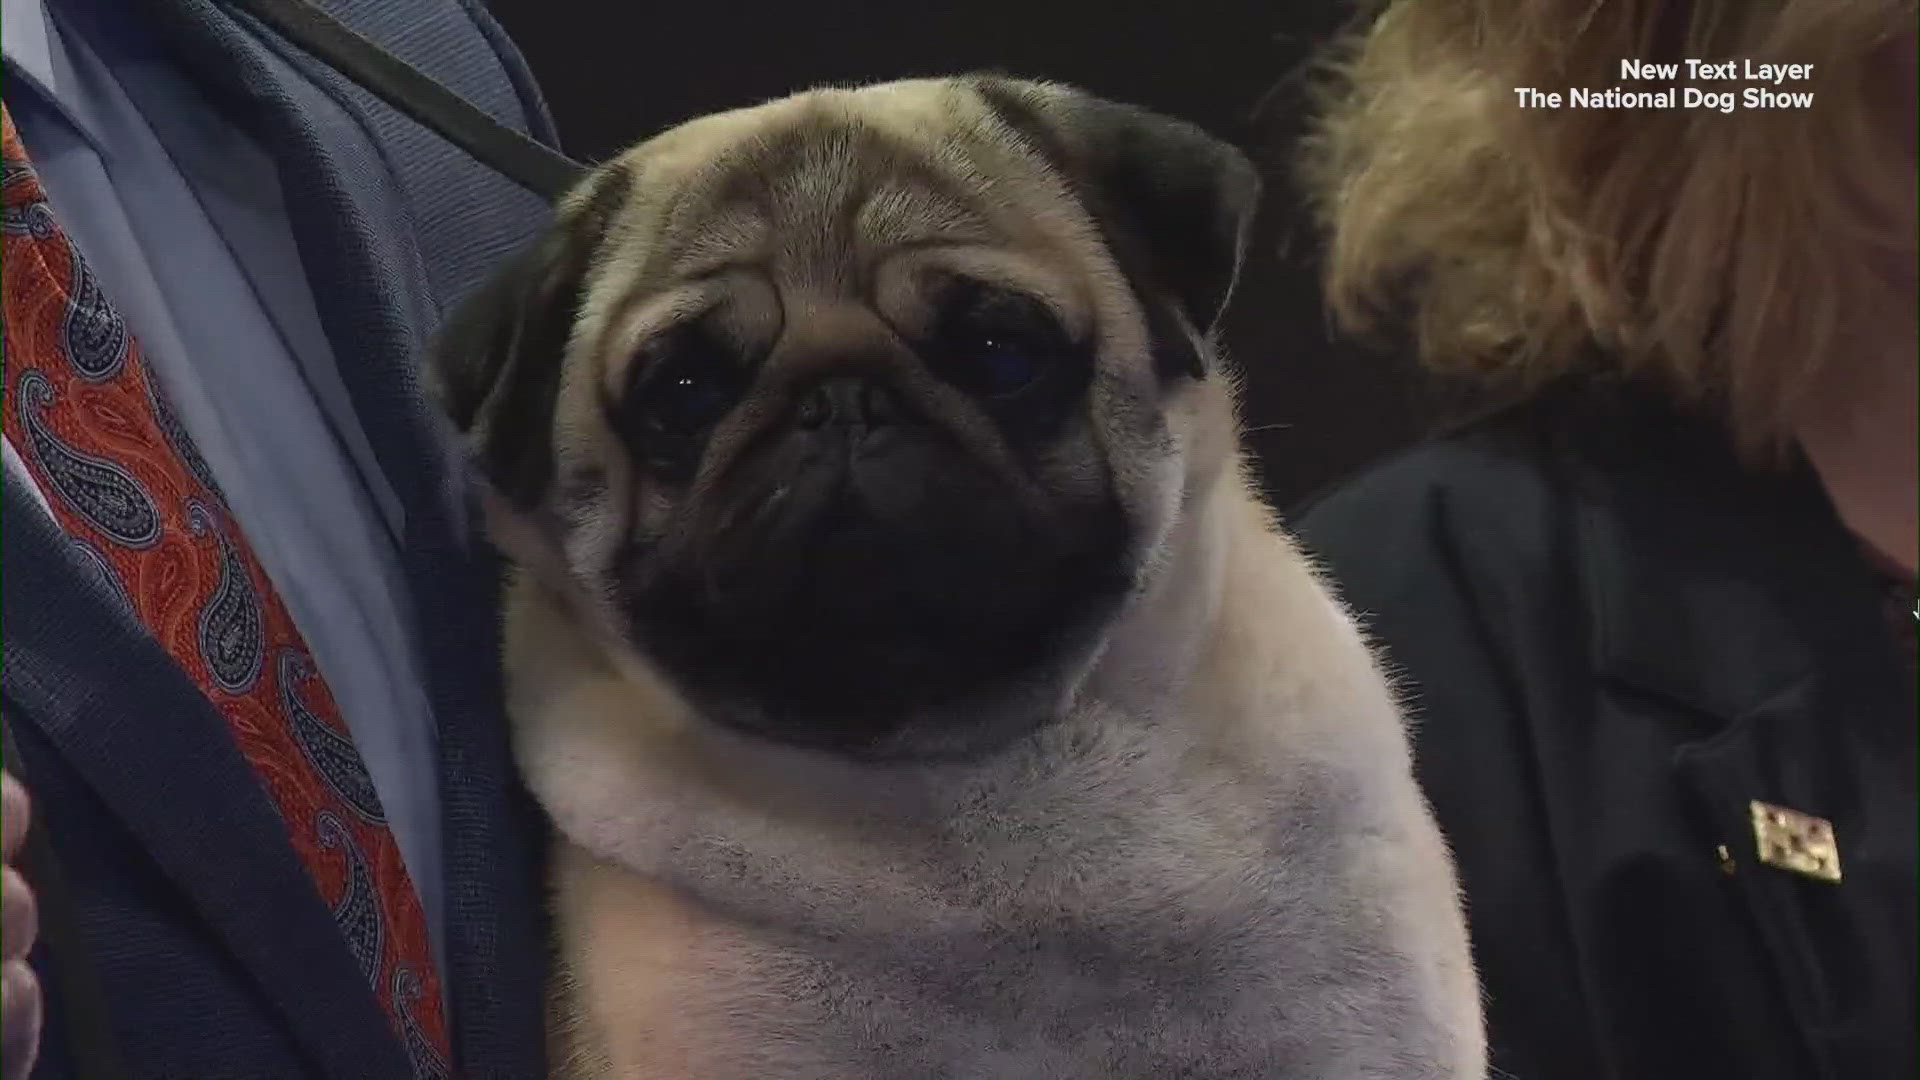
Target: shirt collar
39, 61
26, 39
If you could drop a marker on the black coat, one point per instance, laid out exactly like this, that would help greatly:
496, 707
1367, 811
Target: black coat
1614, 638
211, 954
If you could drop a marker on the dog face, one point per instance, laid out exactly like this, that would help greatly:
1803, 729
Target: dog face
859, 415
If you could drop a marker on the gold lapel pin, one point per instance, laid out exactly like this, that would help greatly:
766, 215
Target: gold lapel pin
1793, 841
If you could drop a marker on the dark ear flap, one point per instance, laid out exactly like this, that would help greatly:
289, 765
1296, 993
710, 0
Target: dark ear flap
1173, 202
499, 357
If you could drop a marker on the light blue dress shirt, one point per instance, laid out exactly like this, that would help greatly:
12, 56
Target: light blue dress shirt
180, 215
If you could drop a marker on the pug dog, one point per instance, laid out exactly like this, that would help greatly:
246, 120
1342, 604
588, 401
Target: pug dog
916, 683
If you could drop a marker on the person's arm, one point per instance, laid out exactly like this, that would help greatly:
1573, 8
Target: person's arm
1447, 587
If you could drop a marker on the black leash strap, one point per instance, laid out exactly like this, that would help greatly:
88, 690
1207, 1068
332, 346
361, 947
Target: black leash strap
535, 166
83, 1005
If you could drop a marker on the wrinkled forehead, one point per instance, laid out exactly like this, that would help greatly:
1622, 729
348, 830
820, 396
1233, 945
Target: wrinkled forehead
816, 191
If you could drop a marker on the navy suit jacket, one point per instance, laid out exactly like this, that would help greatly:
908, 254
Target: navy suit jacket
216, 955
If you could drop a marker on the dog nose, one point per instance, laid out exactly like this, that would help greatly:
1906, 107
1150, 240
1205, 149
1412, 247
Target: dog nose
848, 400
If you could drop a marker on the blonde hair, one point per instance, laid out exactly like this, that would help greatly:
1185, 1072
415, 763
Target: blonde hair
1723, 255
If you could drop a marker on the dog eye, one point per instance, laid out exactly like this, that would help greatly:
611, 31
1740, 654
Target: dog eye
1006, 366
682, 386
685, 400
994, 343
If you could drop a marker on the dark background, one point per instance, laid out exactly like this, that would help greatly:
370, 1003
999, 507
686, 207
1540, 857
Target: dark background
614, 72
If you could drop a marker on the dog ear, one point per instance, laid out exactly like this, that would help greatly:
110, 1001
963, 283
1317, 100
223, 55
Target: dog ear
499, 357
1174, 204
